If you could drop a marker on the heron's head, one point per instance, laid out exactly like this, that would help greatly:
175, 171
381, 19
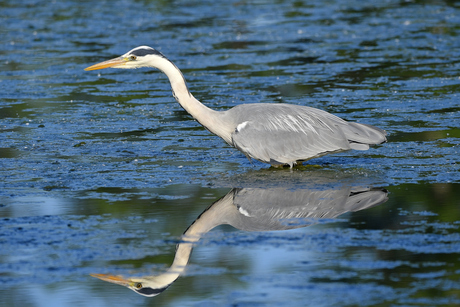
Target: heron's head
142, 56
142, 286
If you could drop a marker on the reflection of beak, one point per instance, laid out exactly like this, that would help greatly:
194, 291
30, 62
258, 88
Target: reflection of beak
107, 64
113, 279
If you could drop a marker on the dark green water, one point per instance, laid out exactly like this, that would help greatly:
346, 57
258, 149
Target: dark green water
102, 172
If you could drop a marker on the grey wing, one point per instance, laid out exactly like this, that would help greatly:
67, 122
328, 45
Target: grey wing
286, 137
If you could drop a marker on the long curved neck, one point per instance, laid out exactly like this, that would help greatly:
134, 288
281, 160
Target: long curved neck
215, 215
210, 119
178, 266
204, 223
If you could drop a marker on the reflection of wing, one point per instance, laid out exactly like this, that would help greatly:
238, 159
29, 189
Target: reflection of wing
364, 199
265, 209
283, 134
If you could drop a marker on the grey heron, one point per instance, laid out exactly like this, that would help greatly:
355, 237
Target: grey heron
256, 209
278, 134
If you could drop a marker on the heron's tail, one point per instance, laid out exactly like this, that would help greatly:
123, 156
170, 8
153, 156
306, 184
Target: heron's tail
361, 136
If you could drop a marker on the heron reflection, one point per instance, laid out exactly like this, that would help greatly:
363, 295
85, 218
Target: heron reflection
256, 209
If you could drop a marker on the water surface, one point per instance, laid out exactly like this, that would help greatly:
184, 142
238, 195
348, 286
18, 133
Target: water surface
102, 172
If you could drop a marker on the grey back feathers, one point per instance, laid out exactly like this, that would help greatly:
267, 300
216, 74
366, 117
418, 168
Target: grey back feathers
283, 134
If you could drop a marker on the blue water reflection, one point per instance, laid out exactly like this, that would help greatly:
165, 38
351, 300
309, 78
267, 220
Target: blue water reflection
101, 173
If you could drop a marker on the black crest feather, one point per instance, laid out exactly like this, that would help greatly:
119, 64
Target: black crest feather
146, 51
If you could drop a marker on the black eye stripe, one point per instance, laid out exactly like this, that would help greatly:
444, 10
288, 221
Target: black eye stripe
145, 51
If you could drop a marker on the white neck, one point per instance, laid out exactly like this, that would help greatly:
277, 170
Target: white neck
210, 119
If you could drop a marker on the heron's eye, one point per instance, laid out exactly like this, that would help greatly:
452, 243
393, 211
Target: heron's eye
132, 58
138, 285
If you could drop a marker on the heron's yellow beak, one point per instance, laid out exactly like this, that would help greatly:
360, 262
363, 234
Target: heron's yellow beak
114, 279
107, 64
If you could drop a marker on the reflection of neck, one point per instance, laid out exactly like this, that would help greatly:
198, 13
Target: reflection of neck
181, 258
209, 219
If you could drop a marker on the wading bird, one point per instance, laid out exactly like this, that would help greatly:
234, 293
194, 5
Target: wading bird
278, 134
